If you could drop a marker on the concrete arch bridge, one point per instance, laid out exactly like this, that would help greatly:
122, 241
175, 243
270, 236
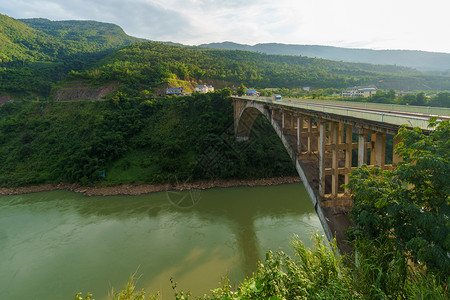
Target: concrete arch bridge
321, 137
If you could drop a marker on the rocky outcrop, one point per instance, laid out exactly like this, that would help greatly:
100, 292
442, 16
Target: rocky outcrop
83, 91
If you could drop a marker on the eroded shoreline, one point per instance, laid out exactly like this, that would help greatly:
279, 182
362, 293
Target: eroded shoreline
140, 189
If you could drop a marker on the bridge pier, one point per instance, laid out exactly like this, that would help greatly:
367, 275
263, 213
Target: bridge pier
322, 153
348, 153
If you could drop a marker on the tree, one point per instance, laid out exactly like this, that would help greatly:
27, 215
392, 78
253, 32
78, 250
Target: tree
420, 99
409, 208
442, 99
241, 90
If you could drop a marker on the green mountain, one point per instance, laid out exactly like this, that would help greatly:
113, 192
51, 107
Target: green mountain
20, 42
36, 53
422, 60
30, 40
83, 36
152, 64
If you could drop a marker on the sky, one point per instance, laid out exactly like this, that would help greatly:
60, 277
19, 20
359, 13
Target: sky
382, 24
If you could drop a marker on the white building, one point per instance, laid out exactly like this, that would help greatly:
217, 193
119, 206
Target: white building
204, 88
359, 91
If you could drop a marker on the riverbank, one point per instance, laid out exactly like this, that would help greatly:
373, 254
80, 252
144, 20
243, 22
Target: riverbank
139, 189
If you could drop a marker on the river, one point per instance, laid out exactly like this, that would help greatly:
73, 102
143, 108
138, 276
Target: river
55, 244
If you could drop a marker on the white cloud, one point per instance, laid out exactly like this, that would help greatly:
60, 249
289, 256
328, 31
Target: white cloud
382, 24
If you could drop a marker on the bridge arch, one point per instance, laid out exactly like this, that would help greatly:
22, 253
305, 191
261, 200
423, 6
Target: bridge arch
246, 114
246, 119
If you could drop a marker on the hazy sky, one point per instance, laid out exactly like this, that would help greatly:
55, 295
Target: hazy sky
381, 24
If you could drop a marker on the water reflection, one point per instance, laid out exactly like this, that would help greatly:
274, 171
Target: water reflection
64, 243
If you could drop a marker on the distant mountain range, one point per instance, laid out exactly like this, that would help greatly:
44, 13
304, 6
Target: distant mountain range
422, 60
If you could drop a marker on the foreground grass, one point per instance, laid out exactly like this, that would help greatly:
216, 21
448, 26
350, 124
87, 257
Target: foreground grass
318, 273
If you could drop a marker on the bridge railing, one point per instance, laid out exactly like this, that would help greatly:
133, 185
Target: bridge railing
356, 112
438, 111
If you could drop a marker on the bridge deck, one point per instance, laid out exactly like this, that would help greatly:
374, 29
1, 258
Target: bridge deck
413, 116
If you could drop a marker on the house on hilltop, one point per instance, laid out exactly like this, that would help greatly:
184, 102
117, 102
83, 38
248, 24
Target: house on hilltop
204, 88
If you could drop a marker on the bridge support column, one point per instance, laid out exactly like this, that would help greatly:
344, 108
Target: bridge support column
395, 157
322, 158
309, 150
348, 153
371, 146
362, 147
380, 150
334, 158
299, 130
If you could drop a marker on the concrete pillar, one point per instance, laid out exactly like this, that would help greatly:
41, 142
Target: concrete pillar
299, 130
322, 158
395, 157
362, 147
334, 139
282, 119
309, 150
328, 133
238, 107
341, 133
373, 141
235, 114
348, 153
380, 150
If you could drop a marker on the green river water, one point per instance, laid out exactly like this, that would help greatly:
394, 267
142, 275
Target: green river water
55, 244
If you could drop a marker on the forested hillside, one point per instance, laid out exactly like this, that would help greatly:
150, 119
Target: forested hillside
37, 40
151, 64
83, 36
36, 53
133, 140
21, 43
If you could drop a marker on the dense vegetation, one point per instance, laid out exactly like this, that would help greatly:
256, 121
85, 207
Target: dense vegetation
408, 209
132, 140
